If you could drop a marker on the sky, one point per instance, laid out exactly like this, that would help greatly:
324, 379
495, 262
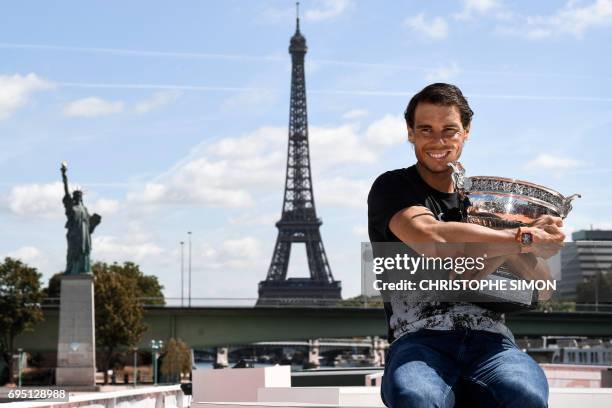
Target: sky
172, 117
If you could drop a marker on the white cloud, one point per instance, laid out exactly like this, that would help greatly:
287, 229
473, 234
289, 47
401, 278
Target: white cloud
221, 174
16, 90
443, 74
481, 7
573, 19
355, 114
231, 254
26, 254
388, 131
256, 219
324, 142
156, 101
327, 9
545, 161
361, 231
436, 28
43, 200
233, 171
128, 248
92, 106
104, 207
342, 192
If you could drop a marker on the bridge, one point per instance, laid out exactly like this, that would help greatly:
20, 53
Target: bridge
202, 327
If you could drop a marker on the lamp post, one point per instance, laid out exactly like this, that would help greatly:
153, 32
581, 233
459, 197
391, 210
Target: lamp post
182, 272
156, 345
189, 234
20, 368
135, 349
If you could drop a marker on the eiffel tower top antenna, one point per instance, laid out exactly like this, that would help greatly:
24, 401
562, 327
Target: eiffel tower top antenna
297, 15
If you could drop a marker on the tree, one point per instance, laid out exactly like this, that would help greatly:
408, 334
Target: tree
119, 314
51, 293
598, 289
148, 287
176, 360
20, 297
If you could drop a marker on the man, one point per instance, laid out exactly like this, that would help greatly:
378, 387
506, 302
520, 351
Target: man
452, 354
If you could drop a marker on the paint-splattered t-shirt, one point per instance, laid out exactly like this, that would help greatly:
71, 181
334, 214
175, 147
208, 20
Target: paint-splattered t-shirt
394, 191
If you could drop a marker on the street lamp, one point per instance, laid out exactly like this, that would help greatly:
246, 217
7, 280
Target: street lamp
182, 272
189, 233
135, 349
20, 362
156, 345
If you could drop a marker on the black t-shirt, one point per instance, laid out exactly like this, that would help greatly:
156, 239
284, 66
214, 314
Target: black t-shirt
398, 189
402, 188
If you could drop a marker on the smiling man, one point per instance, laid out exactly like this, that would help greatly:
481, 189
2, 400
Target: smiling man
447, 354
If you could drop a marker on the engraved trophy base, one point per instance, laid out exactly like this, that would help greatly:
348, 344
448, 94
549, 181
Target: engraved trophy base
76, 350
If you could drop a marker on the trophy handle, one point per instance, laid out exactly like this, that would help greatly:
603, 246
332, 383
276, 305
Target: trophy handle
567, 204
462, 183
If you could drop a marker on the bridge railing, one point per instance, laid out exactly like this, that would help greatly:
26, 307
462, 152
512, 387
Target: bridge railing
244, 302
150, 302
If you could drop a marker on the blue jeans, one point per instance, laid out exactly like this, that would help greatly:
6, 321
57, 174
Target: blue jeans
461, 368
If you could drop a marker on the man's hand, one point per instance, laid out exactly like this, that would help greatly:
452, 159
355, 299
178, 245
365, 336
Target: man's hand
547, 236
545, 220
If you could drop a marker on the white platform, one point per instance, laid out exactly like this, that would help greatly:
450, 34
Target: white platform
258, 388
337, 396
237, 384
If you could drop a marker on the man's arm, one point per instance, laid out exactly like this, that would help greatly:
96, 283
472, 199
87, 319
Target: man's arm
418, 228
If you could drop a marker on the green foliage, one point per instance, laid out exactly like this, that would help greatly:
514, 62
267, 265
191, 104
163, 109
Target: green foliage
147, 286
52, 291
119, 314
176, 360
362, 301
556, 305
597, 289
20, 297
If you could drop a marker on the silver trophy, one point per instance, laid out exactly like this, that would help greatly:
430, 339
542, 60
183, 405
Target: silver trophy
500, 203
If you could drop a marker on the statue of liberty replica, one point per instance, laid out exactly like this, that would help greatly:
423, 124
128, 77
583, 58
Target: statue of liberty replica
76, 349
80, 226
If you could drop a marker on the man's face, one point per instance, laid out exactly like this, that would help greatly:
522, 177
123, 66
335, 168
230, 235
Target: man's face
437, 136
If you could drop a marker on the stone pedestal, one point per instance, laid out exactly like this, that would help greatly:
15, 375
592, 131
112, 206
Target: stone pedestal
76, 350
314, 348
222, 356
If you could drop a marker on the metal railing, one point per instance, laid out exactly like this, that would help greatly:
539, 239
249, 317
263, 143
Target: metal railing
152, 302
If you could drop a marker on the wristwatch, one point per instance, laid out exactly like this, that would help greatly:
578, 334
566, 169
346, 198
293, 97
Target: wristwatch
524, 238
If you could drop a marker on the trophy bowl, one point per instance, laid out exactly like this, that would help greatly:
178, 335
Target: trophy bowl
498, 202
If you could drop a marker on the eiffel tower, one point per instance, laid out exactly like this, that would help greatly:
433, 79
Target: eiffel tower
299, 222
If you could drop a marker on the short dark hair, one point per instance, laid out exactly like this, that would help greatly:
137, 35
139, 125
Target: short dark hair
440, 94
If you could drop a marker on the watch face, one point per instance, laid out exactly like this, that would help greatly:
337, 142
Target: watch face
526, 238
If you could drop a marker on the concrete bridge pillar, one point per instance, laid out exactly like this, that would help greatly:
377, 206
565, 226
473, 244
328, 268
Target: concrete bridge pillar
222, 356
314, 348
377, 351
